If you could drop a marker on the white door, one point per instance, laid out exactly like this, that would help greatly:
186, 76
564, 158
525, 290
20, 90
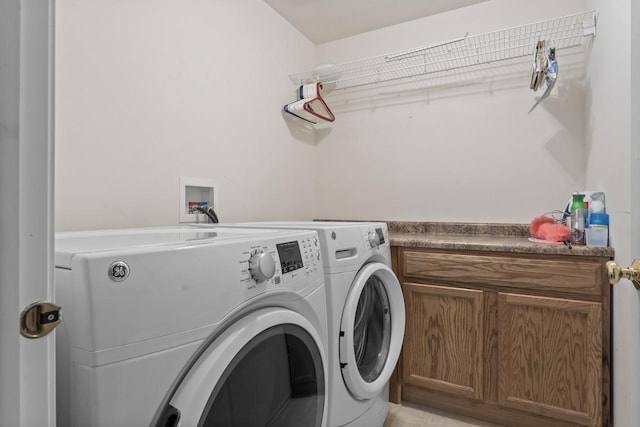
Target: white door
27, 376
371, 330
634, 197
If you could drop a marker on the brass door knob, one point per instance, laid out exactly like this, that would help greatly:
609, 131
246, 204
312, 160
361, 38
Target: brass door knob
632, 273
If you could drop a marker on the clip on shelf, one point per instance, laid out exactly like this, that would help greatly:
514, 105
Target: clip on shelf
545, 69
310, 106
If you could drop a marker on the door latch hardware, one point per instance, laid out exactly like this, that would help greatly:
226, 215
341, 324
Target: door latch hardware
38, 319
632, 273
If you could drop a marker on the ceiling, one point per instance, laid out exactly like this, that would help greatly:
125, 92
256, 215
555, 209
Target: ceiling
326, 20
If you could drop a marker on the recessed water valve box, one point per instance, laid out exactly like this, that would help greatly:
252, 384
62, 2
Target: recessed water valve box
195, 192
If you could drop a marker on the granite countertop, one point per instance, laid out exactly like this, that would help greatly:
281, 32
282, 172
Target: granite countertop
512, 238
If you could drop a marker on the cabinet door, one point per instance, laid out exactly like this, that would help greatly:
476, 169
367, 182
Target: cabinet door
550, 357
443, 339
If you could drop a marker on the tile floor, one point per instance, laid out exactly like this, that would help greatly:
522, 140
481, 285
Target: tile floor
410, 415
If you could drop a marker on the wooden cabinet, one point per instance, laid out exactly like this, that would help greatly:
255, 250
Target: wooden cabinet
517, 339
444, 330
550, 357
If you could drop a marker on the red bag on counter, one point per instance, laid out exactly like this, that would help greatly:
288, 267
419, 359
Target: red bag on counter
546, 228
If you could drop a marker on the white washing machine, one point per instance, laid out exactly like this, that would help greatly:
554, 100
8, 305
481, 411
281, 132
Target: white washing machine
189, 327
366, 317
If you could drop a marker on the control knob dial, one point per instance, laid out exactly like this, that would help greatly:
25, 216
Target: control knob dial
262, 266
374, 239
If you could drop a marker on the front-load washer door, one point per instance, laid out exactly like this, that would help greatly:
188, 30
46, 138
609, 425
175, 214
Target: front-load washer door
371, 330
267, 369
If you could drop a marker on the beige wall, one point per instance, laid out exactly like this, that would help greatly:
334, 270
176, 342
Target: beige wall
148, 91
460, 147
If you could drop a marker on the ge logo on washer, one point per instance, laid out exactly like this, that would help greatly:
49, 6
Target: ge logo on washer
118, 271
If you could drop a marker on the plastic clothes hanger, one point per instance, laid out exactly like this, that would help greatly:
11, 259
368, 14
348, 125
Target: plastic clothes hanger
310, 106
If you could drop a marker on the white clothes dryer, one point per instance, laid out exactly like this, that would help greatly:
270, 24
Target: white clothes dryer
189, 327
366, 317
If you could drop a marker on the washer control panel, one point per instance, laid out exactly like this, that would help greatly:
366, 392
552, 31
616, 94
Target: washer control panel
281, 262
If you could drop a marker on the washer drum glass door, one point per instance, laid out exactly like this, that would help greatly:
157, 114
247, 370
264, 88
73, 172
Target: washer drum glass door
267, 369
371, 330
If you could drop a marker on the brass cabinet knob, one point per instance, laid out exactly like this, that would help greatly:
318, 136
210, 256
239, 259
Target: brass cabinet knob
632, 273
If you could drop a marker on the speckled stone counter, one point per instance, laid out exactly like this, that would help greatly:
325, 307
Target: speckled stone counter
512, 238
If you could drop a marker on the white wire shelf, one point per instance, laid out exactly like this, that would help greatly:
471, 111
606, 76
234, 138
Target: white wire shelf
475, 50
